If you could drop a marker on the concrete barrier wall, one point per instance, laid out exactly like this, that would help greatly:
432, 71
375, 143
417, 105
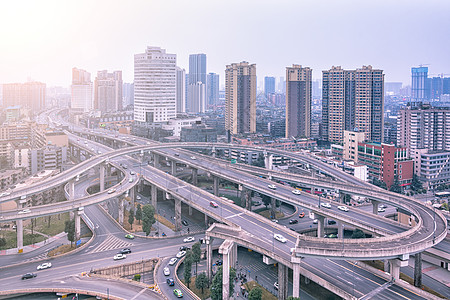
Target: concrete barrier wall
128, 269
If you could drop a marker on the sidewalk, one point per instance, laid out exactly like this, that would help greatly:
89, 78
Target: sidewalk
59, 237
435, 272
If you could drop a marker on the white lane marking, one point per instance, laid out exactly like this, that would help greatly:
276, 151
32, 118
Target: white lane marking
235, 215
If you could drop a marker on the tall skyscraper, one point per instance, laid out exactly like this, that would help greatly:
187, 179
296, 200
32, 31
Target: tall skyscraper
212, 89
282, 85
240, 98
352, 100
269, 85
28, 95
81, 90
419, 83
298, 101
197, 83
154, 85
128, 94
108, 91
181, 90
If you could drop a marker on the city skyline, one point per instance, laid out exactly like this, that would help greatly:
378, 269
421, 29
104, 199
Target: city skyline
391, 44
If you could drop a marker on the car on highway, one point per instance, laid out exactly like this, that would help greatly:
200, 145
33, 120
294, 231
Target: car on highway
178, 293
272, 186
383, 206
184, 248
125, 167
111, 191
132, 173
256, 203
325, 205
28, 276
166, 271
315, 221
219, 262
293, 221
129, 236
279, 238
130, 180
25, 211
177, 154
331, 222
181, 254
343, 208
138, 198
331, 236
189, 239
172, 261
296, 192
301, 215
213, 204
125, 251
185, 223
380, 209
276, 286
44, 266
170, 281
119, 256
193, 158
275, 220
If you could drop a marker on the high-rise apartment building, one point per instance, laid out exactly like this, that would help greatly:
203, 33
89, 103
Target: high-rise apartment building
212, 89
108, 91
154, 85
419, 83
181, 90
196, 98
298, 101
128, 94
240, 98
197, 94
81, 91
352, 100
197, 68
28, 95
269, 85
421, 126
282, 85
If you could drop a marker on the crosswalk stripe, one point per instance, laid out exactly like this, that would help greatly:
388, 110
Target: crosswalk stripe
110, 243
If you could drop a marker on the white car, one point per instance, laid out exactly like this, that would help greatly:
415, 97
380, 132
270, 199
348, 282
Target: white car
181, 254
173, 261
343, 208
119, 256
325, 204
296, 192
316, 221
193, 158
25, 211
279, 238
166, 271
44, 266
276, 286
138, 198
380, 209
275, 220
189, 239
272, 186
111, 191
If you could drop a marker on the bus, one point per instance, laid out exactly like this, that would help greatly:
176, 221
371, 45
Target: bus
442, 194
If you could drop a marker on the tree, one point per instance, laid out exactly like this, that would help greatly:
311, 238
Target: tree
216, 286
131, 218
69, 228
188, 267
396, 188
139, 213
259, 162
266, 200
358, 234
148, 218
379, 183
2, 242
196, 254
416, 184
255, 294
201, 281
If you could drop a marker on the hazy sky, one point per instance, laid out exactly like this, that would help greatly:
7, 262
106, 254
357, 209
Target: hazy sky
43, 40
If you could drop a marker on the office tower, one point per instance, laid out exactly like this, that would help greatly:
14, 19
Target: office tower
298, 101
352, 100
316, 89
154, 85
240, 98
197, 77
269, 85
28, 95
108, 91
212, 83
186, 92
393, 88
282, 85
81, 90
419, 83
181, 90
421, 126
197, 94
128, 94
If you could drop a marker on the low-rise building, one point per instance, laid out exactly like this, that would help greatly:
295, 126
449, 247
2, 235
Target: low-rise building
198, 133
433, 168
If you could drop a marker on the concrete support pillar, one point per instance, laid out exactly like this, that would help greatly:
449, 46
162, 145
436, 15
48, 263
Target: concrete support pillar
156, 161
296, 279
340, 227
418, 270
71, 189
233, 256
154, 196
341, 197
102, 177
386, 265
226, 251
174, 168
194, 177
282, 282
209, 241
177, 214
190, 210
206, 221
375, 207
19, 228
216, 185
79, 155
121, 210
245, 198
394, 268
320, 225
213, 152
77, 214
273, 207
132, 194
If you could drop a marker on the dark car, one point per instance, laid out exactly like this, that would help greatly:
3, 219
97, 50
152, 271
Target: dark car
331, 222
170, 282
219, 262
28, 276
185, 223
293, 221
125, 251
184, 248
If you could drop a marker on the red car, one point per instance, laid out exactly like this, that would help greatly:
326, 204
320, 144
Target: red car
301, 215
213, 204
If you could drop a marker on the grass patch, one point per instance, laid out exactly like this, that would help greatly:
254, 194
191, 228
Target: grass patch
57, 224
266, 213
165, 222
136, 226
63, 249
198, 292
266, 295
11, 239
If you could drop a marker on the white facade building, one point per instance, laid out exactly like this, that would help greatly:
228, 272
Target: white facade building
177, 124
197, 98
81, 91
154, 86
181, 90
